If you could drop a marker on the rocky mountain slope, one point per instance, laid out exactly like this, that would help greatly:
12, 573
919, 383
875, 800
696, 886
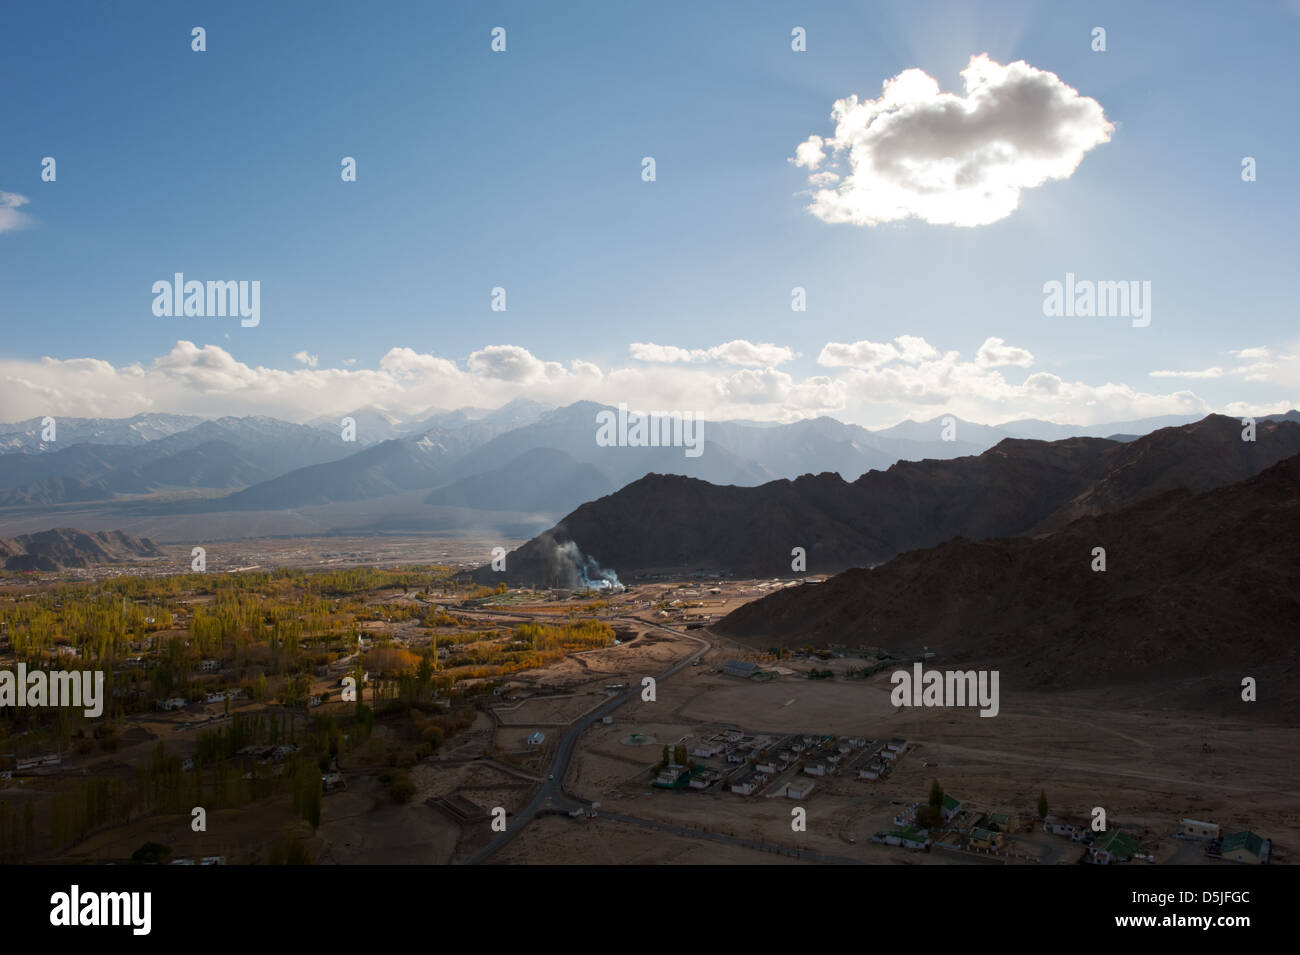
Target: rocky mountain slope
676, 525
65, 547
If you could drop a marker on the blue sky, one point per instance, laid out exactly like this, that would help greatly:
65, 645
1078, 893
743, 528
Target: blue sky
522, 169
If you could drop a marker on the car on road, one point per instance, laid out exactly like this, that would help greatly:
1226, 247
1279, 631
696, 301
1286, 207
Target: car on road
551, 776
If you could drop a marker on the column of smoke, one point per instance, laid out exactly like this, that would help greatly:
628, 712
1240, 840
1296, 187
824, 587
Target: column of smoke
587, 570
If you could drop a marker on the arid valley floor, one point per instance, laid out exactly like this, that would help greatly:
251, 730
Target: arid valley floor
1147, 765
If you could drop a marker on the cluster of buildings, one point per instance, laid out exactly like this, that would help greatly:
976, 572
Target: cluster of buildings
829, 754
1117, 845
987, 833
749, 764
220, 696
880, 763
732, 745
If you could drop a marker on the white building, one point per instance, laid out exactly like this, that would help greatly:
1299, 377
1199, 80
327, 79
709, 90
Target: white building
1196, 829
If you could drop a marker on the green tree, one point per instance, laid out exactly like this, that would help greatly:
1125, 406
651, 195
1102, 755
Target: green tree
936, 794
424, 676
1042, 804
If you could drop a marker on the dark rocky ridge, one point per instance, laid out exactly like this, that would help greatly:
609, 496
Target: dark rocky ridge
65, 547
676, 525
1199, 591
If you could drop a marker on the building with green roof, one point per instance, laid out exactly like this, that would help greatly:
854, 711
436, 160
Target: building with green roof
1245, 847
1114, 846
950, 807
985, 839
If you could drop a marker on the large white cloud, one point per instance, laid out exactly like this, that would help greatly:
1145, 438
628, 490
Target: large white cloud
945, 158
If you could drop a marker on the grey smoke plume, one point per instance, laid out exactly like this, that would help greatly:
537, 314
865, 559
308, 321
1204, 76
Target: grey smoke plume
587, 571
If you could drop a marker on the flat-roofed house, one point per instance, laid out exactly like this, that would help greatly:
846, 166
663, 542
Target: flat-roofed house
1195, 829
799, 788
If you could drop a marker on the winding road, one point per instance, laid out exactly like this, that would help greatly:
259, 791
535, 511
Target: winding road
551, 796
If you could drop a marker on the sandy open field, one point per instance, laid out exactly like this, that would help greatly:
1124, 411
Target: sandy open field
1146, 767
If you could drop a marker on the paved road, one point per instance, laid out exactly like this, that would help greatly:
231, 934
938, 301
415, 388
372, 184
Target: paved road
552, 794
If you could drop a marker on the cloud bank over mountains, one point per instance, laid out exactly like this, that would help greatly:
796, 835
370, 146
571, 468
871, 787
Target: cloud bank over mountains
866, 382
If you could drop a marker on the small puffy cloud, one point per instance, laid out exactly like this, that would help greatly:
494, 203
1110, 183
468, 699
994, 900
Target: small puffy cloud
1043, 383
995, 352
401, 362
512, 363
863, 354
741, 352
945, 158
648, 351
207, 368
866, 354
913, 349
309, 360
809, 153
736, 352
1250, 354
10, 217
